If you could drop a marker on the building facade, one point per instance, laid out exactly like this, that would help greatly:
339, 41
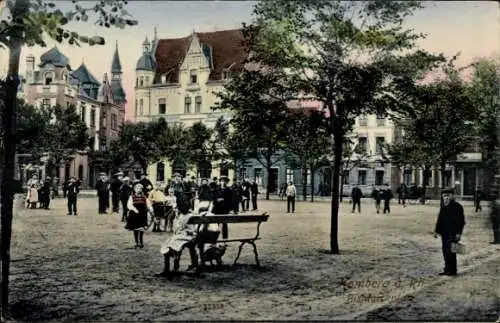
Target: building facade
176, 79
100, 105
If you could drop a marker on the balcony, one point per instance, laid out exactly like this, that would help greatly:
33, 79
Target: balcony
193, 87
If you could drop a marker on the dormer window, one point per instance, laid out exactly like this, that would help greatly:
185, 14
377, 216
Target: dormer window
48, 78
142, 81
193, 77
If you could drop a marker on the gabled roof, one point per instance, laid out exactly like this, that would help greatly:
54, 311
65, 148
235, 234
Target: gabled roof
116, 66
55, 57
223, 48
84, 76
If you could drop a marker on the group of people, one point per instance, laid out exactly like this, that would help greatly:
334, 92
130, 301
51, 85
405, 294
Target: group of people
378, 194
39, 193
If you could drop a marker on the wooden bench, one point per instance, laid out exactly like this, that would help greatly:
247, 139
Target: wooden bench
204, 221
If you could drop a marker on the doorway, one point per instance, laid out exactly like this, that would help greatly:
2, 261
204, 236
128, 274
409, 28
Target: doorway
469, 181
273, 180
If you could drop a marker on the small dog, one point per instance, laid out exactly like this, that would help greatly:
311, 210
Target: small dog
215, 253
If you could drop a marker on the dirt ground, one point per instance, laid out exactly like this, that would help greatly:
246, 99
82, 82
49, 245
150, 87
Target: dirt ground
68, 268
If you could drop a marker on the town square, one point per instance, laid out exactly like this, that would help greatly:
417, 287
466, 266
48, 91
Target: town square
253, 160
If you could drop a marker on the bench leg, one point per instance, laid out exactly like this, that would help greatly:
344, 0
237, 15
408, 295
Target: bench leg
256, 253
239, 253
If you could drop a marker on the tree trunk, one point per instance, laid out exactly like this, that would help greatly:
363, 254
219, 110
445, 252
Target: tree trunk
337, 148
341, 187
8, 163
304, 182
312, 183
268, 186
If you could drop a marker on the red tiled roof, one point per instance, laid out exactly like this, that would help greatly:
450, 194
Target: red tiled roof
227, 48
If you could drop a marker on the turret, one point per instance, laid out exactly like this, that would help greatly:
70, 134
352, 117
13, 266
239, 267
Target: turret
119, 95
30, 68
145, 67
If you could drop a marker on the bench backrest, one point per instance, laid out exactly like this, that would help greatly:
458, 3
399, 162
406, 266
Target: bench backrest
228, 219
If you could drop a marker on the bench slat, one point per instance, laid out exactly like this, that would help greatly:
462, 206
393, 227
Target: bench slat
227, 219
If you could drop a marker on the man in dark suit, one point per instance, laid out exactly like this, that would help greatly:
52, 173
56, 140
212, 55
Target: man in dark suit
254, 191
72, 190
102, 187
245, 195
356, 196
116, 184
449, 226
222, 203
387, 196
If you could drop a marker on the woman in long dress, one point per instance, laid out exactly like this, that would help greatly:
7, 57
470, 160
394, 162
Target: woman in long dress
138, 205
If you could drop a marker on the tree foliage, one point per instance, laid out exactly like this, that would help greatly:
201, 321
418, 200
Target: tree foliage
257, 102
354, 57
229, 147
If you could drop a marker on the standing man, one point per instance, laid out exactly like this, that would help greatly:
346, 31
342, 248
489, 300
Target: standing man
356, 196
387, 196
449, 226
254, 191
478, 196
72, 190
45, 194
377, 198
245, 195
116, 185
146, 184
291, 192
402, 194
204, 194
125, 193
102, 193
236, 198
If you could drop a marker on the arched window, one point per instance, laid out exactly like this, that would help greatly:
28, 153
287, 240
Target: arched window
142, 81
147, 81
160, 172
49, 77
141, 107
136, 81
136, 106
80, 172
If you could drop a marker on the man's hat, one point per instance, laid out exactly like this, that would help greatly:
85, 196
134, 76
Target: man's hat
118, 174
102, 174
448, 190
177, 175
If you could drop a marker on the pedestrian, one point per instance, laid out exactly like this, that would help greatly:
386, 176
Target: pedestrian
245, 195
116, 185
236, 198
403, 192
376, 197
204, 193
450, 224
33, 196
45, 194
356, 196
125, 192
254, 191
193, 188
102, 188
387, 195
478, 196
171, 210
139, 205
178, 187
222, 203
290, 192
72, 190
146, 184
157, 199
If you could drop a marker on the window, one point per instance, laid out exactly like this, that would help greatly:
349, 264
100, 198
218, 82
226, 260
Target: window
407, 177
147, 81
289, 175
92, 118
243, 173
187, 105
162, 106
363, 144
308, 177
258, 176
136, 107
48, 78
141, 107
160, 172
345, 177
65, 77
361, 177
426, 178
380, 120
224, 171
193, 77
379, 177
136, 81
141, 83
363, 121
114, 121
225, 75
83, 112
380, 142
80, 172
45, 103
447, 174
197, 104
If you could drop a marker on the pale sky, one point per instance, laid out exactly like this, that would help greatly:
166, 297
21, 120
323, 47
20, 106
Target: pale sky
471, 27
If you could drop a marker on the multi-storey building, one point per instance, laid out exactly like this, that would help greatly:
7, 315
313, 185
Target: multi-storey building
176, 79
100, 105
